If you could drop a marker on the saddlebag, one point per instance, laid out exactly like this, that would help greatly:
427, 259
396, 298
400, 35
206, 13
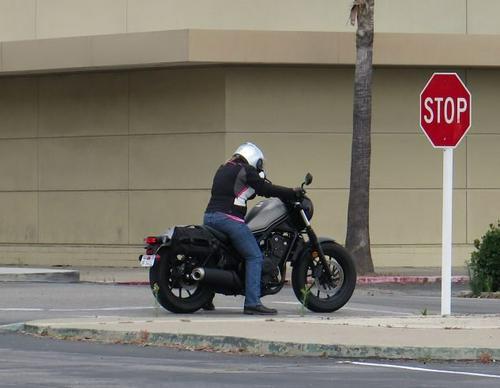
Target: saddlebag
193, 240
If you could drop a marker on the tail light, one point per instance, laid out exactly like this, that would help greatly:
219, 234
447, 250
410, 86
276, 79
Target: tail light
151, 240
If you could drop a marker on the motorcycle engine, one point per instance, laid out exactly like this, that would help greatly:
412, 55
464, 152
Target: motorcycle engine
276, 248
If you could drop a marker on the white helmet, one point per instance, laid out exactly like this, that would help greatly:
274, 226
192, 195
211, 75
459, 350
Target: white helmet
252, 154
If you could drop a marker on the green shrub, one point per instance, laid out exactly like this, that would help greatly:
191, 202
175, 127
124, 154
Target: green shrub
484, 264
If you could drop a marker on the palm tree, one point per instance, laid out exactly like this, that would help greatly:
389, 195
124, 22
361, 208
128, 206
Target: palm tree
358, 234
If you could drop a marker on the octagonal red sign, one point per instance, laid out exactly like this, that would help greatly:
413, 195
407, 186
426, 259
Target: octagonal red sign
445, 110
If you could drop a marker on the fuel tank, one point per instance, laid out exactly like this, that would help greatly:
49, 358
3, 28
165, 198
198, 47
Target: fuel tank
266, 214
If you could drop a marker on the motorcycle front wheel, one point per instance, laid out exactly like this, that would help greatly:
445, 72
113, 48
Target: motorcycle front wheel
313, 287
174, 291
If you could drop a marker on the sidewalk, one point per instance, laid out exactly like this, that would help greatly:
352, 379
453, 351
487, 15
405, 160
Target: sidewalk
420, 337
28, 274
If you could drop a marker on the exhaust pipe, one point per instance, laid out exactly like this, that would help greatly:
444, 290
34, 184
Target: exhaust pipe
198, 274
217, 277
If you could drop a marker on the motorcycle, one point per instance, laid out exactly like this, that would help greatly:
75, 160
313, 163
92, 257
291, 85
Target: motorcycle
189, 264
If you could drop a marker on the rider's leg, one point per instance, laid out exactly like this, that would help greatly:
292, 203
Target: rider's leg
244, 241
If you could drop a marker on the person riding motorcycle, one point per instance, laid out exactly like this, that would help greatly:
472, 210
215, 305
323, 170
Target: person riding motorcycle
239, 179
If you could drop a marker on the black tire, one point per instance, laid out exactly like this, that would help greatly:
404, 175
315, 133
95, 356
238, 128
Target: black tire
176, 297
309, 279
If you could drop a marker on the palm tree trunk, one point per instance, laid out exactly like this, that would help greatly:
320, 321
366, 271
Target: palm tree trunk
358, 234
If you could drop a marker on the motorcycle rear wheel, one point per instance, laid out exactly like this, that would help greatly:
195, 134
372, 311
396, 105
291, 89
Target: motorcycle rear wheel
176, 296
312, 286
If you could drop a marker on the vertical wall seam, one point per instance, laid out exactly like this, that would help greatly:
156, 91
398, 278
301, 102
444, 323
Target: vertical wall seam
225, 131
466, 190
466, 17
128, 157
36, 19
466, 81
126, 16
37, 121
467, 166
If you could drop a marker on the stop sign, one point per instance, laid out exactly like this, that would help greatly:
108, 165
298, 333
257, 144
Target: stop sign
445, 110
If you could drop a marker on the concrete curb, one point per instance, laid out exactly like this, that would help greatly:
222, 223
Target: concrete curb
12, 328
10, 274
260, 347
404, 279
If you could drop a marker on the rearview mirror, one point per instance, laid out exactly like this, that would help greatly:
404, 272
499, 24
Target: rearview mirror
308, 179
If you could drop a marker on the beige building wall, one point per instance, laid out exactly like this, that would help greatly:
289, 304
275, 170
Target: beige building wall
93, 162
39, 19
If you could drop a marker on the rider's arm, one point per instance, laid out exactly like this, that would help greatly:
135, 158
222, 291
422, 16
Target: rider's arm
266, 189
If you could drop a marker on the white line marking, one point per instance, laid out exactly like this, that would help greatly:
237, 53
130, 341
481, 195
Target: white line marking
74, 310
376, 311
127, 308
104, 309
451, 372
124, 308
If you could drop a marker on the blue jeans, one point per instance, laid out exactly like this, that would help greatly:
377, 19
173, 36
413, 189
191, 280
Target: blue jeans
244, 241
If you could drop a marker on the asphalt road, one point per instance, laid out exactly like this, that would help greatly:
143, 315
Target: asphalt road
41, 362
20, 302
29, 361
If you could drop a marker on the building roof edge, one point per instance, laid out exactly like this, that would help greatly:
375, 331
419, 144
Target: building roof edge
196, 46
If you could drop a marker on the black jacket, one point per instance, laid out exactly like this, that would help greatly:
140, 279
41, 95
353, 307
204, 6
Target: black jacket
235, 183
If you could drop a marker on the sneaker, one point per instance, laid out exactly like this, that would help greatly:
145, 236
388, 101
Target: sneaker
259, 310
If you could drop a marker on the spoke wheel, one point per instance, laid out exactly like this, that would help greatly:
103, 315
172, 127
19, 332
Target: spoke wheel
315, 289
174, 289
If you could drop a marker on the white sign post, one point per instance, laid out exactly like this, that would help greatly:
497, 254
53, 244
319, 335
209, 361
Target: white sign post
445, 117
447, 231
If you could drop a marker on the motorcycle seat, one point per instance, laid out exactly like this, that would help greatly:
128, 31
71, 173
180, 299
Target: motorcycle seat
217, 234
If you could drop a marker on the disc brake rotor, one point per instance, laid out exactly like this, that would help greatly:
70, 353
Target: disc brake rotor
322, 281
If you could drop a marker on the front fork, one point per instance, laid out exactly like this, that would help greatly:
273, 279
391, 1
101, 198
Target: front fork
317, 249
